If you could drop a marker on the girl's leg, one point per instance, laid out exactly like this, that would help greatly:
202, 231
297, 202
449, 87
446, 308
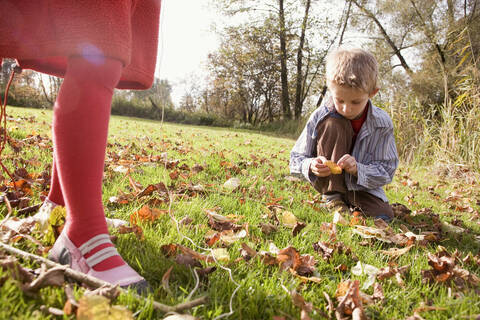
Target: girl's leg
55, 195
80, 127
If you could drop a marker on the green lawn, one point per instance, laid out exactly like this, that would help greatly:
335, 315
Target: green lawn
194, 163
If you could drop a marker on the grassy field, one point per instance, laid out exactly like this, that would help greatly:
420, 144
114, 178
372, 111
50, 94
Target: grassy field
187, 168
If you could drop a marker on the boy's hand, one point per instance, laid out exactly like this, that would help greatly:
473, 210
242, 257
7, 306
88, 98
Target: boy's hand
348, 163
318, 168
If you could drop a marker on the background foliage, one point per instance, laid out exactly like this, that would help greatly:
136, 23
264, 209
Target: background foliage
268, 71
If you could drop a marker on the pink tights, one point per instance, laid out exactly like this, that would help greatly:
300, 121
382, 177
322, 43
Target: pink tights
80, 128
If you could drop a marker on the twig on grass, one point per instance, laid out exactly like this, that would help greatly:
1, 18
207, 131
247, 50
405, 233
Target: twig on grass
95, 283
170, 213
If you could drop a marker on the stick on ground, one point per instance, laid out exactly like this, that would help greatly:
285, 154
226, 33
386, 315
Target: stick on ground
97, 283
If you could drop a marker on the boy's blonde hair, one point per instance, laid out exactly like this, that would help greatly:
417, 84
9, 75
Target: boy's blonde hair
355, 68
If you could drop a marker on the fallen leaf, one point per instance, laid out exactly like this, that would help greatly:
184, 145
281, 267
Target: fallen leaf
247, 252
98, 307
232, 184
351, 303
298, 227
16, 270
338, 219
187, 260
305, 307
396, 252
288, 219
378, 292
178, 316
135, 229
146, 214
388, 272
56, 221
51, 277
268, 228
445, 270
169, 250
365, 269
166, 279
107, 291
323, 249
220, 254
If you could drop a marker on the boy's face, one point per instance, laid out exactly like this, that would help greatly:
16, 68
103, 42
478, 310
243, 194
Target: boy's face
349, 102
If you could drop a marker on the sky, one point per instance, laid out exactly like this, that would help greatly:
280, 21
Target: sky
185, 39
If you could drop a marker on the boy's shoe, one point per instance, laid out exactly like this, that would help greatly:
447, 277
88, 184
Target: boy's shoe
385, 218
66, 253
338, 205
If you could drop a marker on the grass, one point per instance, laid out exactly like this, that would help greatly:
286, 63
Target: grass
261, 164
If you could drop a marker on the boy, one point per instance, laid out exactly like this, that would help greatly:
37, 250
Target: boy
349, 130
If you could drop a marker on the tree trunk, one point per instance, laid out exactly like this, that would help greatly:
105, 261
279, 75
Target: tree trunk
283, 64
322, 95
394, 47
340, 41
298, 89
47, 97
441, 55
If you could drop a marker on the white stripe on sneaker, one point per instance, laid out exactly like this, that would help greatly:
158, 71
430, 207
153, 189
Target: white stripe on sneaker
101, 255
94, 242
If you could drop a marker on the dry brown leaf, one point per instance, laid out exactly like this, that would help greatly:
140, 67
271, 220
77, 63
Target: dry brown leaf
135, 229
99, 308
351, 303
298, 227
16, 270
288, 258
323, 249
378, 292
445, 270
169, 250
305, 307
187, 260
166, 279
268, 228
146, 214
107, 291
396, 252
247, 252
51, 277
385, 273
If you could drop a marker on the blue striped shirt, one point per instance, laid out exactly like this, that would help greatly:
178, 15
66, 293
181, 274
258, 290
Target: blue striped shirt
374, 150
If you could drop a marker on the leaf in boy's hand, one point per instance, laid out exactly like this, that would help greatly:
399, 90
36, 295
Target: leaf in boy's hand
334, 168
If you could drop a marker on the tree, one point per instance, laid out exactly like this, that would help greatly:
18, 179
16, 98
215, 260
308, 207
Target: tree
299, 49
245, 65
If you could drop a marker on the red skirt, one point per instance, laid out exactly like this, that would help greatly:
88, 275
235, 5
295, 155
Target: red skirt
41, 35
